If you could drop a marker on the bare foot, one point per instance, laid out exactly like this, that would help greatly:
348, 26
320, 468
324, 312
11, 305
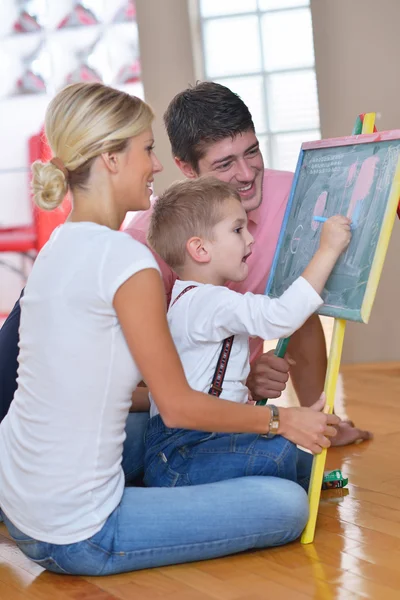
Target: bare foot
348, 434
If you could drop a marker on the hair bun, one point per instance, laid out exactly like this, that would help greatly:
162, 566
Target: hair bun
49, 185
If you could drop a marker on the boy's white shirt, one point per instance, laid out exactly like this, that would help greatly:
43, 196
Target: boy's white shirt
207, 314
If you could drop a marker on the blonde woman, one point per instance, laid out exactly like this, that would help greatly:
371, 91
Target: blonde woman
93, 325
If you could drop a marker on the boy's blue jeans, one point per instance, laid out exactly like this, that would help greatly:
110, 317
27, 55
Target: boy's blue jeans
158, 526
180, 457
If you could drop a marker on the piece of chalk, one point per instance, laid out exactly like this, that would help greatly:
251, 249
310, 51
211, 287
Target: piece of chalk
323, 219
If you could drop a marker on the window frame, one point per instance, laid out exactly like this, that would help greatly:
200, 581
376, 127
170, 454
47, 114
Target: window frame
267, 135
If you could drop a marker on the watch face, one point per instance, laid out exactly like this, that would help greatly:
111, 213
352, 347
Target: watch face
274, 424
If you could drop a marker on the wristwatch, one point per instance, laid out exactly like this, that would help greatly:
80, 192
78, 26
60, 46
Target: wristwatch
274, 422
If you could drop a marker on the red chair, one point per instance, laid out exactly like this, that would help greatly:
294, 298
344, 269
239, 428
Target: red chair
29, 239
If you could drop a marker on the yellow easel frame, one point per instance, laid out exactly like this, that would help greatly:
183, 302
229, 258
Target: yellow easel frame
314, 492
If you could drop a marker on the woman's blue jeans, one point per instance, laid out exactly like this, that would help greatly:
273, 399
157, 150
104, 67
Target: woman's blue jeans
153, 527
182, 457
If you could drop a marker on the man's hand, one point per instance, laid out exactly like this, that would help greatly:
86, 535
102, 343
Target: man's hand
268, 376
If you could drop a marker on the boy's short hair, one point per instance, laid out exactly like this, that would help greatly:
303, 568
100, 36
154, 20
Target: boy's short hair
204, 114
186, 209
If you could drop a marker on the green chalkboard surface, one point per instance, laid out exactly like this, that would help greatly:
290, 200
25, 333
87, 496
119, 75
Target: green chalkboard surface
355, 176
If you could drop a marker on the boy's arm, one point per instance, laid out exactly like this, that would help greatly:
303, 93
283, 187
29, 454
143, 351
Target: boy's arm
215, 313
269, 374
307, 347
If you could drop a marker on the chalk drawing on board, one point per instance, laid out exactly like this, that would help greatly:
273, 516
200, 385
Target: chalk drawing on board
349, 182
319, 209
296, 239
354, 180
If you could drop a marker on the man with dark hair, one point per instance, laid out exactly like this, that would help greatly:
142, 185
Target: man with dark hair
211, 131
202, 115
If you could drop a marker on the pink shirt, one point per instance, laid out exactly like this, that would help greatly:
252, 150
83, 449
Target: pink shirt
264, 224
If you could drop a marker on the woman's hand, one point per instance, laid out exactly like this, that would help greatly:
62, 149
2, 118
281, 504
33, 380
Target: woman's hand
308, 427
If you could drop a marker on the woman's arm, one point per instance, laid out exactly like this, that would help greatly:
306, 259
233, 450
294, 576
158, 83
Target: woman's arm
140, 307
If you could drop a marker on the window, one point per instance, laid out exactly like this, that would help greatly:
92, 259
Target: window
263, 50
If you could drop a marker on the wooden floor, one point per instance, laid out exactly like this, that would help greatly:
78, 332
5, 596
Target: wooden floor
356, 553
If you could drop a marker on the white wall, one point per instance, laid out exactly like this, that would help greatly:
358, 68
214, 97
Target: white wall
168, 67
357, 46
17, 124
56, 54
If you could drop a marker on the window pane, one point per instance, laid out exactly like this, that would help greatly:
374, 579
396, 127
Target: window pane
286, 148
292, 101
279, 4
211, 8
287, 39
251, 91
231, 46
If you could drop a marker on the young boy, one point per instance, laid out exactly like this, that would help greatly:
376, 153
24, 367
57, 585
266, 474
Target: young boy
199, 227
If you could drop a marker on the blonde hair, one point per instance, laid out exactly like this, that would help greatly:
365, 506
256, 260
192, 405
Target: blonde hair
186, 209
82, 121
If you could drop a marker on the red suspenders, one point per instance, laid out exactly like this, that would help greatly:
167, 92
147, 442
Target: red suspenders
189, 287
219, 374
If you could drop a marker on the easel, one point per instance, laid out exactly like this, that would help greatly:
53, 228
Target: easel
365, 123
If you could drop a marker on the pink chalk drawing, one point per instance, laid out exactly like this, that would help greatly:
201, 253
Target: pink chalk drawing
319, 209
352, 174
349, 182
362, 187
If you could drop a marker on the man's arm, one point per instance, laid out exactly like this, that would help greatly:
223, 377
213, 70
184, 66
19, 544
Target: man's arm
269, 374
233, 313
140, 399
307, 348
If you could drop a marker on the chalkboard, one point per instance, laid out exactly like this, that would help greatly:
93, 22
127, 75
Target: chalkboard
357, 176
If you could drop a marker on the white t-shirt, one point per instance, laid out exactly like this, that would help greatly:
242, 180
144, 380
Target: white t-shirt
207, 314
61, 441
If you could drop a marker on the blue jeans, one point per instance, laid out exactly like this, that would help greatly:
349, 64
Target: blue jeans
158, 526
181, 457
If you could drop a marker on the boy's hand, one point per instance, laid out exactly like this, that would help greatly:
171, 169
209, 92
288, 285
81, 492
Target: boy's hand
336, 234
